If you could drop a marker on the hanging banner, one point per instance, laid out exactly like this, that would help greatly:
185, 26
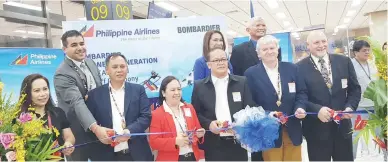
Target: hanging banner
17, 63
155, 48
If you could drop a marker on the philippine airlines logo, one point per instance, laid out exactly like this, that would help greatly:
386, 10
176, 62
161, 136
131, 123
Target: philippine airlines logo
87, 33
20, 60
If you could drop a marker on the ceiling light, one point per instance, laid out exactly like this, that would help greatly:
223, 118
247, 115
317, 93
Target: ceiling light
26, 6
82, 19
350, 13
167, 6
334, 33
232, 33
346, 20
286, 23
356, 3
336, 29
272, 4
343, 26
28, 32
281, 15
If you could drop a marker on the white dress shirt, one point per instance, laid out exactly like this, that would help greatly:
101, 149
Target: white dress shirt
91, 83
273, 76
116, 117
364, 80
180, 123
222, 104
327, 60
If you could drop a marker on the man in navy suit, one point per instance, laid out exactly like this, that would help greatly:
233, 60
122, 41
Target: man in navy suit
331, 85
274, 86
125, 108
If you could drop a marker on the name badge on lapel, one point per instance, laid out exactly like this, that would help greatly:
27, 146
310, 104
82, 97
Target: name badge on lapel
344, 83
187, 112
291, 87
236, 96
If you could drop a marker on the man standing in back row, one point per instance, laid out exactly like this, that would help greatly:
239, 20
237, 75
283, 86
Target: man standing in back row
330, 82
244, 55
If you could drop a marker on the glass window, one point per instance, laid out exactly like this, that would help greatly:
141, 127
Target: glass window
33, 8
21, 34
56, 37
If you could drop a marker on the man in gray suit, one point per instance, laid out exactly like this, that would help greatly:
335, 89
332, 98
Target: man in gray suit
73, 79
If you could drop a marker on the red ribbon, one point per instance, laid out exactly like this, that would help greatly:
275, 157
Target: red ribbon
282, 118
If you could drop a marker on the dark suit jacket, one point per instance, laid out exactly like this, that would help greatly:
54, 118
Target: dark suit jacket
244, 56
264, 94
70, 86
137, 117
319, 95
204, 102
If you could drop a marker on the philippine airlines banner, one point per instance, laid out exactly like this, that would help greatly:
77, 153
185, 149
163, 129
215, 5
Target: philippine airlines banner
155, 48
17, 63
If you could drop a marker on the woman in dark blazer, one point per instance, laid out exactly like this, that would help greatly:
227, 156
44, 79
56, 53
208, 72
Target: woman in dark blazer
177, 119
212, 39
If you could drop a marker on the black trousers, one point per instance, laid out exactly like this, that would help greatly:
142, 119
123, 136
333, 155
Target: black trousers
336, 146
226, 150
257, 156
187, 157
118, 156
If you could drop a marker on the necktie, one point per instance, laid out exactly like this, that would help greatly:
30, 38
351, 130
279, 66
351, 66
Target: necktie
89, 77
325, 73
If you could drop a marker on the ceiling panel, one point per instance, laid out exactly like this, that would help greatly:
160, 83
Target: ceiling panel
368, 6
334, 14
184, 13
260, 11
317, 11
224, 6
138, 3
297, 11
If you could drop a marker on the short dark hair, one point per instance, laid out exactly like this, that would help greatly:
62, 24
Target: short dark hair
26, 89
113, 55
359, 44
70, 33
385, 43
163, 87
206, 41
212, 50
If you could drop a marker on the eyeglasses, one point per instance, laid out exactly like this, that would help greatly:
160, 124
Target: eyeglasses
219, 60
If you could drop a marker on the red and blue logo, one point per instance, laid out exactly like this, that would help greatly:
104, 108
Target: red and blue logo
20, 60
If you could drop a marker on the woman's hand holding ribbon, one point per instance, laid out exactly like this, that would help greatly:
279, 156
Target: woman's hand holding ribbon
68, 148
200, 133
182, 140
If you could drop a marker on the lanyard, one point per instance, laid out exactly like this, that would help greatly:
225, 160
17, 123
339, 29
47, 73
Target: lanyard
123, 124
367, 65
177, 119
50, 125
